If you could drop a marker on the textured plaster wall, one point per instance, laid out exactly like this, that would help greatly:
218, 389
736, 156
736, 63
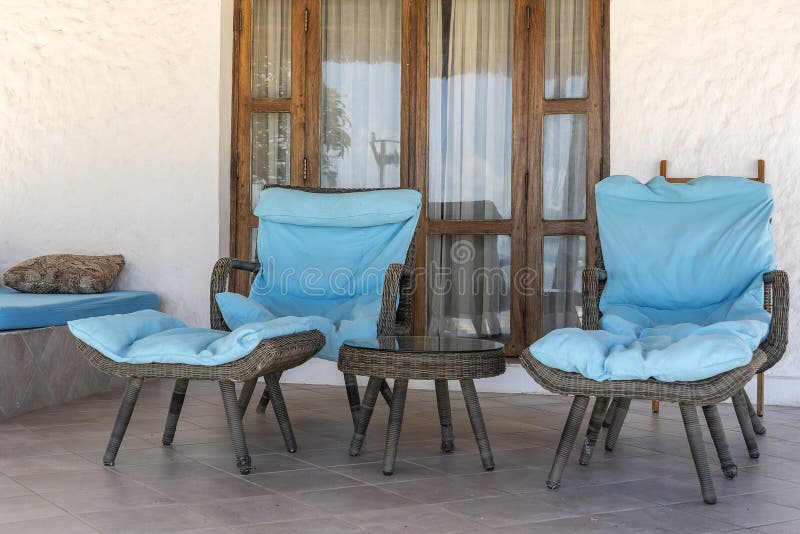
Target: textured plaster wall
114, 137
712, 86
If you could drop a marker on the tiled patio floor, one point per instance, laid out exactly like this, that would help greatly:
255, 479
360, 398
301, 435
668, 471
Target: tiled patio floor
53, 480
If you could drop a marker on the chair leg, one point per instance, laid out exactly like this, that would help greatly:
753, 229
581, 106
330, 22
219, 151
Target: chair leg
279, 407
351, 385
616, 423
595, 424
692, 425
247, 393
234, 417
568, 436
612, 407
262, 403
395, 424
760, 394
445, 417
743, 415
386, 392
123, 418
370, 396
720, 442
175, 406
476, 420
758, 426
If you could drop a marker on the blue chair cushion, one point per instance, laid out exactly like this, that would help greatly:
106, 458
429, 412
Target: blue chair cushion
325, 255
150, 336
32, 310
684, 298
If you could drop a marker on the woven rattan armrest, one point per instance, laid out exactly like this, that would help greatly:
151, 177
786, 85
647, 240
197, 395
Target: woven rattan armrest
391, 320
776, 300
270, 356
220, 281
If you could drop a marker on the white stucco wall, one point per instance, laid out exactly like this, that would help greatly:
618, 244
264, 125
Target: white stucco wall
115, 136
712, 86
114, 121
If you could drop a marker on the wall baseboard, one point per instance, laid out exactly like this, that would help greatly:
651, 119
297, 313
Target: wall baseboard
779, 390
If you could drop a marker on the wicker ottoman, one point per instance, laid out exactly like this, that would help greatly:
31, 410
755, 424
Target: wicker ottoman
405, 358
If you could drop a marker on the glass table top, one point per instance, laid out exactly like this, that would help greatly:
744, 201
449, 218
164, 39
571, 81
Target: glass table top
424, 344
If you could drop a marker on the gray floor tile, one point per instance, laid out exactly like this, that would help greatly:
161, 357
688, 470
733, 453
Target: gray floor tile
51, 472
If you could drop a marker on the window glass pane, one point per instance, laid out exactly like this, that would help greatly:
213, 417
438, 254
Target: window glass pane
471, 58
564, 167
272, 49
269, 152
360, 123
564, 260
469, 285
566, 48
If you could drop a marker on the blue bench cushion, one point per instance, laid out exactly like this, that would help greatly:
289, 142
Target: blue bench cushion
149, 336
684, 298
29, 310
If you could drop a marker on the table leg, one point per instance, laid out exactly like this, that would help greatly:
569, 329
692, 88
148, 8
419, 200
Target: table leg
395, 422
365, 413
476, 418
445, 418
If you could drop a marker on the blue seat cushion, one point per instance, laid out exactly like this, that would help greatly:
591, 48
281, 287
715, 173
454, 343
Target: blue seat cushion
30, 310
149, 336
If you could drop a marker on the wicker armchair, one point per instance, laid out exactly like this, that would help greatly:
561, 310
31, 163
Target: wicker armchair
776, 301
270, 358
706, 393
394, 319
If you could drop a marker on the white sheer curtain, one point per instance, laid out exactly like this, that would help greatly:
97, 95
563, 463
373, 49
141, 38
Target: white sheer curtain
566, 48
360, 123
470, 90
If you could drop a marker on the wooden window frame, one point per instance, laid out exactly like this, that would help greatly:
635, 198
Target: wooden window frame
526, 227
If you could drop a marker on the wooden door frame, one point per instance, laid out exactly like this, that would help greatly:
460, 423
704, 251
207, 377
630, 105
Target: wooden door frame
304, 105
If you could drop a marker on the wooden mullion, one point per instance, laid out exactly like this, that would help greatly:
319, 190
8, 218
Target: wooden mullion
313, 95
566, 105
299, 88
594, 149
520, 175
535, 111
461, 227
271, 105
420, 162
567, 228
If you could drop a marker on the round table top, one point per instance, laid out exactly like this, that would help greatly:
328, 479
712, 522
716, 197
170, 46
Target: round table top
424, 358
413, 344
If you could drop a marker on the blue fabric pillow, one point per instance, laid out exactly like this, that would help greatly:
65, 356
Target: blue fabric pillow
238, 310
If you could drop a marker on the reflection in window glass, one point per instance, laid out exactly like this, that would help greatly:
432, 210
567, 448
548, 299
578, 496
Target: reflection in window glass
566, 48
272, 53
269, 152
360, 122
564, 167
470, 87
469, 285
564, 260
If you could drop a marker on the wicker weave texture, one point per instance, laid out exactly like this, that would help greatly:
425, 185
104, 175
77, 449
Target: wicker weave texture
421, 365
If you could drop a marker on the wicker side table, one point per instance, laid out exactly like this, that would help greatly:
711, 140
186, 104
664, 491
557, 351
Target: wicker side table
405, 358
